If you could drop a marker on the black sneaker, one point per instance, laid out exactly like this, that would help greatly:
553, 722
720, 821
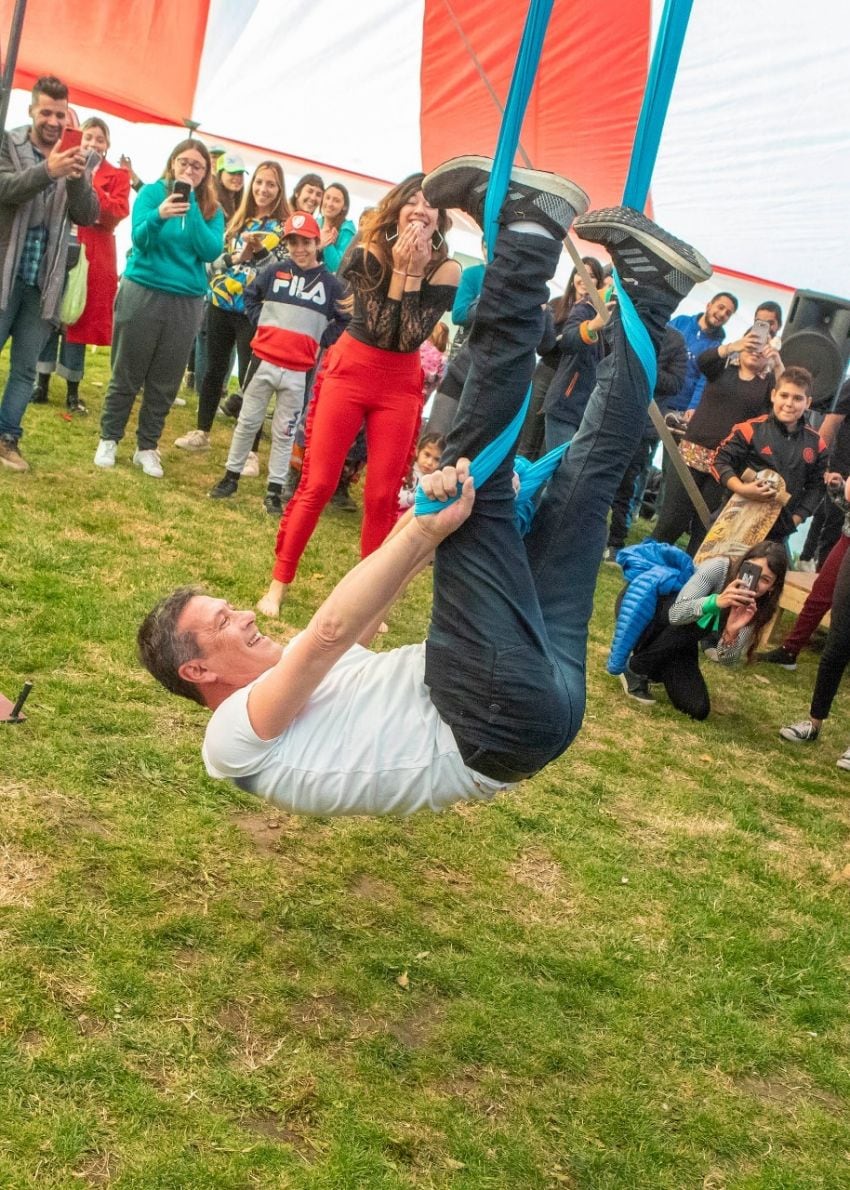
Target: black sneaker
232, 406
39, 396
273, 504
226, 487
539, 197
779, 656
77, 407
636, 687
642, 252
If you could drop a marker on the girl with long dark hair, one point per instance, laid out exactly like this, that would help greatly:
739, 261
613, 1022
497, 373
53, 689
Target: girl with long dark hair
714, 599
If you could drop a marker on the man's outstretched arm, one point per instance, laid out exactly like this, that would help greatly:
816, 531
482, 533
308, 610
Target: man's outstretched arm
354, 604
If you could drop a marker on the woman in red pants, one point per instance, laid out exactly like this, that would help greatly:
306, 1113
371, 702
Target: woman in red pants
402, 281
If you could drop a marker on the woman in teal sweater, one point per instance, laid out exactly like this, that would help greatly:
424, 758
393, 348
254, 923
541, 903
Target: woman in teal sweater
337, 230
160, 301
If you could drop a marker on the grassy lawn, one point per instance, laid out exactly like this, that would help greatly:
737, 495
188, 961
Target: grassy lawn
631, 972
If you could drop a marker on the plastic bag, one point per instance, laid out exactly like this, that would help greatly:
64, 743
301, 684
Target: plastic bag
76, 290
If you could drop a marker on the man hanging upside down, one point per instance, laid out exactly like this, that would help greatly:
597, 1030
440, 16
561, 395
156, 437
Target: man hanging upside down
324, 726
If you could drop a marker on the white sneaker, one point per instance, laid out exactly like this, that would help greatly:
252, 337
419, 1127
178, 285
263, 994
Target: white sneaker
104, 456
808, 567
252, 466
194, 440
149, 462
843, 761
179, 402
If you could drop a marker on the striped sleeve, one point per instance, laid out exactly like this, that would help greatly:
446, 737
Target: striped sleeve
707, 579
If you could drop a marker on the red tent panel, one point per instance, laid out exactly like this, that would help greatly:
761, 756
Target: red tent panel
586, 133
86, 45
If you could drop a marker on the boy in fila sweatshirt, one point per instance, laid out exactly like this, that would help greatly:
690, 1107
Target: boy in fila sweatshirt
292, 302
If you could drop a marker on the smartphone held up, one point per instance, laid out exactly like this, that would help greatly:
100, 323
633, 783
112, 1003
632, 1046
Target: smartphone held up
749, 575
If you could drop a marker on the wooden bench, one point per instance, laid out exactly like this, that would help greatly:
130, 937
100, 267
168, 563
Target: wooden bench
798, 584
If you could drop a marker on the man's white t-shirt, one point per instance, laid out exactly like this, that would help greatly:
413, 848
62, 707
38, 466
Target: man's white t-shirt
369, 741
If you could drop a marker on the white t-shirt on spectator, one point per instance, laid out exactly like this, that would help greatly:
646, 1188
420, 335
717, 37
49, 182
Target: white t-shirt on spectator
369, 741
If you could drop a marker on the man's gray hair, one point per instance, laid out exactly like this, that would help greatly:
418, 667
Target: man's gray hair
163, 649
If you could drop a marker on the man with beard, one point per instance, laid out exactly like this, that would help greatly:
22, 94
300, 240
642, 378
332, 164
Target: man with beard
43, 189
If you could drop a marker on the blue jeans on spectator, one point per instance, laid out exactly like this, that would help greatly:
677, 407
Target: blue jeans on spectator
72, 358
23, 321
507, 644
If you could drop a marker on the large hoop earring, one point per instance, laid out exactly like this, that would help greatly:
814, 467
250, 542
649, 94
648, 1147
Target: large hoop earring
437, 240
389, 238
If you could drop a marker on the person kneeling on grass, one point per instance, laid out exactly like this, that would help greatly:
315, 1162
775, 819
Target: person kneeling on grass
498, 689
714, 599
292, 303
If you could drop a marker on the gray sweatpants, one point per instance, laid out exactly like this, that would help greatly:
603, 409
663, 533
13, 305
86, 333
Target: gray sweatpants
152, 336
267, 381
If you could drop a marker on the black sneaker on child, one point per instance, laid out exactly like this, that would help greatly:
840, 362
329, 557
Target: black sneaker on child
226, 487
644, 253
779, 656
636, 687
533, 195
273, 504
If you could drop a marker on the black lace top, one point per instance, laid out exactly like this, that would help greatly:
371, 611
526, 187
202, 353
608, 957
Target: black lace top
392, 324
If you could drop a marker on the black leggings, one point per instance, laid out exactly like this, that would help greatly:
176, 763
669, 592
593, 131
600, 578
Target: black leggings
224, 329
669, 653
836, 654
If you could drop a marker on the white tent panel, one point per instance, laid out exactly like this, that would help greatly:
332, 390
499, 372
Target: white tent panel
754, 164
359, 105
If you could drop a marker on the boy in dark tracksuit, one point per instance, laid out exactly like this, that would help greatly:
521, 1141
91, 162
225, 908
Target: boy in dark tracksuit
780, 441
292, 302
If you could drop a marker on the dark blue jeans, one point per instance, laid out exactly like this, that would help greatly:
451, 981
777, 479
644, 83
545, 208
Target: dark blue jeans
29, 332
506, 649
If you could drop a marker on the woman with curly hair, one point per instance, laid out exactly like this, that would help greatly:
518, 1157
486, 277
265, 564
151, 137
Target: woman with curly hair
402, 282
160, 300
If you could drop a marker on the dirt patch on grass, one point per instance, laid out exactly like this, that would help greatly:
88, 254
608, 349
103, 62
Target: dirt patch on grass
418, 1027
373, 889
265, 828
100, 1170
316, 1012
441, 873
277, 1129
21, 875
790, 1090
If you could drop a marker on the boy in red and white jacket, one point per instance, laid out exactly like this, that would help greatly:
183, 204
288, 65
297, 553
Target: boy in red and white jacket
292, 302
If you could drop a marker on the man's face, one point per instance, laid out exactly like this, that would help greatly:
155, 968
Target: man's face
770, 318
49, 117
718, 313
229, 643
789, 402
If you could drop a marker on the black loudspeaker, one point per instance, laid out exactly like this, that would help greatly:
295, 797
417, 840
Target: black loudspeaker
817, 336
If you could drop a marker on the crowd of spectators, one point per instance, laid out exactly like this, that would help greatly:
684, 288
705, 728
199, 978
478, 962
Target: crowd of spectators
341, 329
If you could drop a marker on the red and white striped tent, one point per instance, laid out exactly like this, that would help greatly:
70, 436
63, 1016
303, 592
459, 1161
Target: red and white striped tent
754, 164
